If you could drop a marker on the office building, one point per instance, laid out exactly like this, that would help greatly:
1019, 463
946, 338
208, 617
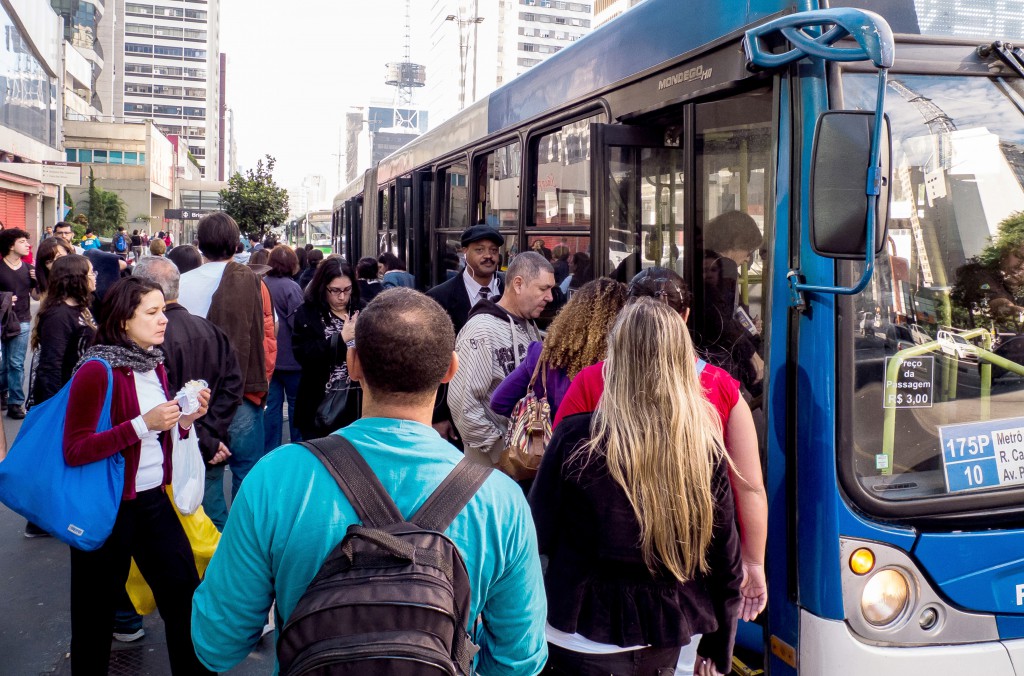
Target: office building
31, 102
606, 10
476, 46
171, 64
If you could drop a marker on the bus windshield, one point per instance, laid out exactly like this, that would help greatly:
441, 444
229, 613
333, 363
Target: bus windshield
936, 342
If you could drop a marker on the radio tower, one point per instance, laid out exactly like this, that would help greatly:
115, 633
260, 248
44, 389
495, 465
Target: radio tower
405, 76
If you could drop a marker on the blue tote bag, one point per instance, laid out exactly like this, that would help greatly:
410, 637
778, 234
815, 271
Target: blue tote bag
77, 505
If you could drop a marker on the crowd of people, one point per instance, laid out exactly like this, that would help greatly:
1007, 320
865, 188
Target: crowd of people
648, 509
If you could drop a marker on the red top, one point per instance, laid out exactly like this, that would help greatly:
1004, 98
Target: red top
721, 389
83, 444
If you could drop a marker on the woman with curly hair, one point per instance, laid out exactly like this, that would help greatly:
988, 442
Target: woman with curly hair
576, 339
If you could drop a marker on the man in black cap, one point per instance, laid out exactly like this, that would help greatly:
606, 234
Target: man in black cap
459, 294
478, 281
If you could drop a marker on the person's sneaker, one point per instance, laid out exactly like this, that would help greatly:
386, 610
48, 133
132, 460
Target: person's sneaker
16, 412
128, 626
34, 531
127, 636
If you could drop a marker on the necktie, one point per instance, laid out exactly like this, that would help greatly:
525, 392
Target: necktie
484, 292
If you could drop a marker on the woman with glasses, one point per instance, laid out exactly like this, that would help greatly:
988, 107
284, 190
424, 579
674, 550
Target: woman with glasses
323, 328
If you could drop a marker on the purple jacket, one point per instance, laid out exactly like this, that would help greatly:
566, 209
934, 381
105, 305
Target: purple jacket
513, 388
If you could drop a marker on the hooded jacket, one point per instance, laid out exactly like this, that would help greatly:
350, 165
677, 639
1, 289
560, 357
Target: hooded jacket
489, 347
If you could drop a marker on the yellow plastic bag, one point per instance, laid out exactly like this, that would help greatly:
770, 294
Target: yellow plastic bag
202, 535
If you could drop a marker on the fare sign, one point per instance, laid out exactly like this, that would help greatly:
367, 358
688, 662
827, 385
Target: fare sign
987, 454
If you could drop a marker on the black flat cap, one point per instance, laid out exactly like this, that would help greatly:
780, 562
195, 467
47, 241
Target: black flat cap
475, 233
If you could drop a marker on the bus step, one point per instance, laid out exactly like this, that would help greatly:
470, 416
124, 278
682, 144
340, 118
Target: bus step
740, 669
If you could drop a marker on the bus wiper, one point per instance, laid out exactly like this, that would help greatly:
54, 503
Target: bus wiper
1008, 53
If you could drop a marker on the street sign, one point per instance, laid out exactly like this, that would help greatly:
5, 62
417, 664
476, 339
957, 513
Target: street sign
185, 214
62, 173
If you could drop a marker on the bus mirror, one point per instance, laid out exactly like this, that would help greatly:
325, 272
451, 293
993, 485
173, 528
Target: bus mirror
840, 184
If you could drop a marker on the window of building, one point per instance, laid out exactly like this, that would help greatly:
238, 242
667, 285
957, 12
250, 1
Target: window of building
131, 159
194, 34
137, 88
142, 159
84, 155
133, 48
142, 10
99, 156
195, 14
195, 53
167, 110
167, 71
163, 50
173, 12
195, 112
138, 68
70, 154
137, 29
138, 108
114, 157
169, 32
194, 93
195, 73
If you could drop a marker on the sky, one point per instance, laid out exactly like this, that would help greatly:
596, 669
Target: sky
294, 68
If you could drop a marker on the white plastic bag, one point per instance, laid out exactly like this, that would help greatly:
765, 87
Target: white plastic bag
188, 473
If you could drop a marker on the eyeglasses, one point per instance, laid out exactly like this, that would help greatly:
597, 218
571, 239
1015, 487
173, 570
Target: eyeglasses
339, 292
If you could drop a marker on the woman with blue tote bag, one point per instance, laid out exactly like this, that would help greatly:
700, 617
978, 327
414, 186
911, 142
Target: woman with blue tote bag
143, 418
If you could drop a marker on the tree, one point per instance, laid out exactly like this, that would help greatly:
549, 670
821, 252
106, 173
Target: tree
254, 200
106, 210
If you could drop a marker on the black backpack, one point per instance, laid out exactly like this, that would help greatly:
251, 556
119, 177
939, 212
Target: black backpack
393, 596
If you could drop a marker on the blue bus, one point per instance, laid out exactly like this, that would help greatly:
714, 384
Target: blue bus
861, 275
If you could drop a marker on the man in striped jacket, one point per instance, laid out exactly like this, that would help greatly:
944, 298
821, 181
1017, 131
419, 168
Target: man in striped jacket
490, 346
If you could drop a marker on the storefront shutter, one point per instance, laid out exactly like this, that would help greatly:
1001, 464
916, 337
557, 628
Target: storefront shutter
12, 209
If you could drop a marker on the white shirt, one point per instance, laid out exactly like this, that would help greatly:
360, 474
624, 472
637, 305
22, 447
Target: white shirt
473, 288
151, 460
581, 644
198, 286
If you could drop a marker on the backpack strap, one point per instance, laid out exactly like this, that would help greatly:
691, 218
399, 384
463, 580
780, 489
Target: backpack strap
700, 365
357, 481
451, 496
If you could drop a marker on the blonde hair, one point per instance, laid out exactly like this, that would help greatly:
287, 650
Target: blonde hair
660, 436
579, 335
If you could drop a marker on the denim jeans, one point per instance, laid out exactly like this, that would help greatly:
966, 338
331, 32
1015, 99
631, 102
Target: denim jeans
213, 499
248, 442
284, 384
12, 366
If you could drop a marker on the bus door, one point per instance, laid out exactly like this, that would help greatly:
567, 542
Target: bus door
403, 221
418, 258
640, 208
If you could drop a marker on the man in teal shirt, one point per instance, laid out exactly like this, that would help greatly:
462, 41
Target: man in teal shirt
290, 513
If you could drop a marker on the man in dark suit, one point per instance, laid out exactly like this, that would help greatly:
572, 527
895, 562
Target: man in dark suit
459, 294
479, 280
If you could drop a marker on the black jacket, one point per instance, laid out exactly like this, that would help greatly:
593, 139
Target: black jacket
194, 348
454, 298
63, 337
597, 582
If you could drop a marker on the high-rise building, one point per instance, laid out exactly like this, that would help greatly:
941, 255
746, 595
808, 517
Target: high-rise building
169, 54
477, 46
88, 29
606, 10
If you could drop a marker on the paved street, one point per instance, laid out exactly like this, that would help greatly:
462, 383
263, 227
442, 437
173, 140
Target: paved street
35, 620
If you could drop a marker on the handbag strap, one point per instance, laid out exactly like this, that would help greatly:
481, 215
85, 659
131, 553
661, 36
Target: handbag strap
543, 371
364, 491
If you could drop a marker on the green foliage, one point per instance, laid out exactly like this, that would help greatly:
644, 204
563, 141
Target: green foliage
106, 210
1008, 239
254, 200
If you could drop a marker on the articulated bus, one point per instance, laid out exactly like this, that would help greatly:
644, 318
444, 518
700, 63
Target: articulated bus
315, 228
861, 275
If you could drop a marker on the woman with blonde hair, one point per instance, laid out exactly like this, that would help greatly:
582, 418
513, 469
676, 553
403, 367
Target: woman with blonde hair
634, 510
577, 338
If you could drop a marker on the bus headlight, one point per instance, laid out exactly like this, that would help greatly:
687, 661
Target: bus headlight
885, 597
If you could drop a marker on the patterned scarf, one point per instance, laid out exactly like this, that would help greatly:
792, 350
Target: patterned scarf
133, 357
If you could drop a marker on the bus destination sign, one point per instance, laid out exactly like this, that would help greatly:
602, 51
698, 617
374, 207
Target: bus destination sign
986, 454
